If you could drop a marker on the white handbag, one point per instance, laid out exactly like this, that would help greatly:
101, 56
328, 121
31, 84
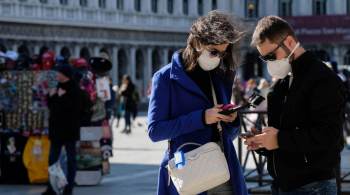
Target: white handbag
205, 167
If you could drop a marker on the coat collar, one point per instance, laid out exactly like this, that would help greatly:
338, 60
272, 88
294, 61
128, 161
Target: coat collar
178, 74
302, 63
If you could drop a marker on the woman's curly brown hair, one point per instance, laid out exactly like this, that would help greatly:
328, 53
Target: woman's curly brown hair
214, 29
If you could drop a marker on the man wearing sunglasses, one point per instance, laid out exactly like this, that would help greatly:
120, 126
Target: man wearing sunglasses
304, 137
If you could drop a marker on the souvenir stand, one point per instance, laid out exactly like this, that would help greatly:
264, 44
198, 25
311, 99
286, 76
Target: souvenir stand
24, 143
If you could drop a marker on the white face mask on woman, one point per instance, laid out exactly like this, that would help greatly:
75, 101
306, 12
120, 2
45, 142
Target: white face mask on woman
207, 62
280, 68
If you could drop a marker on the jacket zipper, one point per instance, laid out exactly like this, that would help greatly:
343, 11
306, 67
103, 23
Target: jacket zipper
305, 159
273, 163
273, 153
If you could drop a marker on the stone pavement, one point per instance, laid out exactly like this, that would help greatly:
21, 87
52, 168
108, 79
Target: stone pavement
134, 167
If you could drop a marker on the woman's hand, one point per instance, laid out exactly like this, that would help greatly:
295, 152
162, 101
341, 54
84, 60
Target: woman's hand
212, 115
232, 117
52, 91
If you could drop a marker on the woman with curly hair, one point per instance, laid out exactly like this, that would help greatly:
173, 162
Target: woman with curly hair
182, 106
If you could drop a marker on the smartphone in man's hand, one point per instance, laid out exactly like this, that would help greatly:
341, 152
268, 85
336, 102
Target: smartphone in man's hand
254, 131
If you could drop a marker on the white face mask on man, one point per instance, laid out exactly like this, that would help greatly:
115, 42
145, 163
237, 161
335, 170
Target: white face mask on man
207, 62
280, 68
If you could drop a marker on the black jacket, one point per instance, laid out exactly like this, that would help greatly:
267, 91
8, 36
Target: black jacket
309, 116
130, 103
65, 113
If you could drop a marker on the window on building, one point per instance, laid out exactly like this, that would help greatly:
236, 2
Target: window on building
64, 2
154, 6
319, 7
285, 8
347, 58
252, 8
43, 1
83, 3
138, 5
200, 7
170, 6
120, 4
214, 4
348, 7
102, 4
139, 65
156, 61
185, 7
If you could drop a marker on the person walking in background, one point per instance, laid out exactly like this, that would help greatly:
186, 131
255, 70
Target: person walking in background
237, 92
182, 108
126, 91
136, 98
110, 104
118, 105
250, 89
263, 90
64, 123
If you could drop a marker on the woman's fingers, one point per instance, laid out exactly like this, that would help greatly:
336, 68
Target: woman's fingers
218, 106
227, 118
224, 117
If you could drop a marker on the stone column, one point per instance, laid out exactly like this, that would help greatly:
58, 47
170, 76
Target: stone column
111, 4
36, 48
148, 64
178, 4
57, 49
93, 4
54, 2
165, 56
162, 6
76, 51
96, 52
207, 6
74, 3
146, 6
238, 7
114, 59
193, 8
129, 5
132, 63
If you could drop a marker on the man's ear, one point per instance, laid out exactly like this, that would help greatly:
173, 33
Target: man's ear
290, 42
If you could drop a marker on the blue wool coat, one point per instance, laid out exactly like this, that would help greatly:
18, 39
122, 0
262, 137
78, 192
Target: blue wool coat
175, 113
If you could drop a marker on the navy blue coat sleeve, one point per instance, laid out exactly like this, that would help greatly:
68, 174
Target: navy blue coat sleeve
160, 125
233, 128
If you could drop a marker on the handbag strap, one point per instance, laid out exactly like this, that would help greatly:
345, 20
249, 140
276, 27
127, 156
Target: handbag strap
186, 144
215, 101
219, 127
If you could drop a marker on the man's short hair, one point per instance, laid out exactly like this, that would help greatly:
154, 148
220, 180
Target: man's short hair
273, 28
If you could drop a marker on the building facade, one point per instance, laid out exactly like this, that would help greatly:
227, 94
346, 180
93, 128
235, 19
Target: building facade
140, 36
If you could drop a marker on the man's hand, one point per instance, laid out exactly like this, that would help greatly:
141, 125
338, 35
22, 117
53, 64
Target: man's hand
267, 139
61, 92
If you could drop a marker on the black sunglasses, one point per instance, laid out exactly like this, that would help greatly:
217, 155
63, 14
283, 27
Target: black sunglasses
216, 53
271, 56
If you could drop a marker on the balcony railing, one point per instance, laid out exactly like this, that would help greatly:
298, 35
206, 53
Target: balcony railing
13, 11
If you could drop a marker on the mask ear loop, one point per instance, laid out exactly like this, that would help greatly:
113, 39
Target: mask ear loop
296, 47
